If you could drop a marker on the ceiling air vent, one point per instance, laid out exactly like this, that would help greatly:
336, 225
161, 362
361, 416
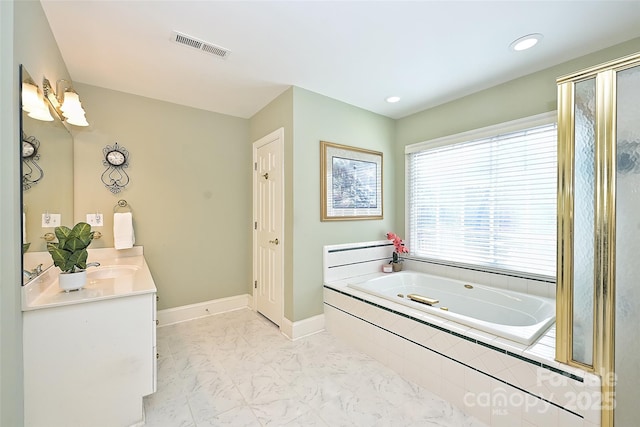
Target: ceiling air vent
201, 45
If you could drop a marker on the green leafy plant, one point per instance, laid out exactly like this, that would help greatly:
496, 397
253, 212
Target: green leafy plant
69, 253
25, 247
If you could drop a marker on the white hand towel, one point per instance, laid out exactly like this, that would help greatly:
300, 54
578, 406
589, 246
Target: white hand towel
123, 236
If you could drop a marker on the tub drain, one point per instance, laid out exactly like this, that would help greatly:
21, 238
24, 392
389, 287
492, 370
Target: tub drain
401, 295
468, 286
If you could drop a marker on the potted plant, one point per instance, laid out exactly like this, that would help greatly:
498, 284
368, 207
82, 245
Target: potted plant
70, 254
400, 248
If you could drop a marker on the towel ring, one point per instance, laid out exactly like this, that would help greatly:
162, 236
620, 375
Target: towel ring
122, 204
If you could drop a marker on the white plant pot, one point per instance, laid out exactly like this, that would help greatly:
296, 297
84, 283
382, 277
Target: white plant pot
72, 281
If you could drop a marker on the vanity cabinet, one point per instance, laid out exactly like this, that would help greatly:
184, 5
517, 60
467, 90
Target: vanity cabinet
90, 355
89, 364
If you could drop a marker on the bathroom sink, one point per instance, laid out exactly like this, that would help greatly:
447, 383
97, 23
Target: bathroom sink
112, 271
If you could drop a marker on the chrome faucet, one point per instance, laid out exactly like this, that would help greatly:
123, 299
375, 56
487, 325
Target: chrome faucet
33, 273
93, 264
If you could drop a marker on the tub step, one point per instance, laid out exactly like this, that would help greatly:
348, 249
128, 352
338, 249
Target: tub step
422, 299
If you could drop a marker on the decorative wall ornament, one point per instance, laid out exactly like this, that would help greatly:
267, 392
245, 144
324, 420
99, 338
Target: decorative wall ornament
32, 173
116, 159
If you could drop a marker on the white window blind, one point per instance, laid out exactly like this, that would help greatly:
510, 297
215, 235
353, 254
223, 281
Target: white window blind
488, 204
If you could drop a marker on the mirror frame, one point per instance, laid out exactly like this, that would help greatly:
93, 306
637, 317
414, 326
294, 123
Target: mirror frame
22, 214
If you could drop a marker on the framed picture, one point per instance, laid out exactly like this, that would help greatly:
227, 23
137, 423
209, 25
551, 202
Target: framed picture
350, 183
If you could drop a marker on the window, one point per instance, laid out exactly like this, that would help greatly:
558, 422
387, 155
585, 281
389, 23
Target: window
487, 199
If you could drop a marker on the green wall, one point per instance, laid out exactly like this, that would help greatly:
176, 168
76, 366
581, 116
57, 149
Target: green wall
190, 190
319, 118
10, 314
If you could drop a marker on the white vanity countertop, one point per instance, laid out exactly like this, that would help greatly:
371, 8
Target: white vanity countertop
44, 291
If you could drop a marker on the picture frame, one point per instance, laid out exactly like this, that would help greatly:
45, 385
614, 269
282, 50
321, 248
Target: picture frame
350, 183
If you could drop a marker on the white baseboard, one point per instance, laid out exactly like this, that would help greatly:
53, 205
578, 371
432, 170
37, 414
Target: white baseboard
302, 328
193, 311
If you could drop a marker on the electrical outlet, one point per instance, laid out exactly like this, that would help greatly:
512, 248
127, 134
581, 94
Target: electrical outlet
50, 220
95, 219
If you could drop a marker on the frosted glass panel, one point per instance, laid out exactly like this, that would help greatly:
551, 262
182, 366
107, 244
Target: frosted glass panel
583, 249
627, 270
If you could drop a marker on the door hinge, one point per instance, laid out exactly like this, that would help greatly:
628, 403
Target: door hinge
255, 284
255, 225
255, 166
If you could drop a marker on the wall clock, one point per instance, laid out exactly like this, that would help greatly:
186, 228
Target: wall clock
116, 159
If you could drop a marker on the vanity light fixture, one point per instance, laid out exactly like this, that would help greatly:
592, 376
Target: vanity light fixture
393, 99
526, 42
33, 102
29, 96
66, 102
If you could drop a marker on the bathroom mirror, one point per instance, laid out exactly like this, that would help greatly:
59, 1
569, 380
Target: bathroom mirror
53, 192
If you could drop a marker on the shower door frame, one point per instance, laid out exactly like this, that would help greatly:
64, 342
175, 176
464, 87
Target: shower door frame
604, 224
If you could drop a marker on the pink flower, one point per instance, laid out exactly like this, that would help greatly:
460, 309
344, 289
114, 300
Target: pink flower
397, 243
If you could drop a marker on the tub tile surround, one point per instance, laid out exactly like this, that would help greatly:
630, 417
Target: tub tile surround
526, 286
496, 380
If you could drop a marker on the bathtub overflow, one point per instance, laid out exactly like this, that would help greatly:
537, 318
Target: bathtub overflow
444, 308
468, 286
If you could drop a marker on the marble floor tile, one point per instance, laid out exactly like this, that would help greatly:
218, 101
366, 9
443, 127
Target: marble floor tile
237, 369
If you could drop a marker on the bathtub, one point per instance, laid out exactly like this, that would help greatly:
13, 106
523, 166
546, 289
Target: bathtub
508, 314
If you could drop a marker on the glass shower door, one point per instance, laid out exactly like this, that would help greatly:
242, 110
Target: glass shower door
627, 252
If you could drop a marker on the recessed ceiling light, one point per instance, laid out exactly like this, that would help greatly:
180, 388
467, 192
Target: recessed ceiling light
526, 42
393, 99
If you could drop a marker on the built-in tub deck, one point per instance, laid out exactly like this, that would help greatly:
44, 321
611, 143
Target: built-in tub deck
540, 353
495, 379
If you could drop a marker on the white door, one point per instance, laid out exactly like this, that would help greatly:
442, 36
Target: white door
268, 236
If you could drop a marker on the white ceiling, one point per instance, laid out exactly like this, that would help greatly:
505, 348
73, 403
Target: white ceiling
358, 52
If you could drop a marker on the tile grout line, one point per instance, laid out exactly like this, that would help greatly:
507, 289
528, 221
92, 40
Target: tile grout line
461, 363
462, 336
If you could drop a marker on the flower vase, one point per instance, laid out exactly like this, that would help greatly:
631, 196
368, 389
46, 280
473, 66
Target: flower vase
397, 266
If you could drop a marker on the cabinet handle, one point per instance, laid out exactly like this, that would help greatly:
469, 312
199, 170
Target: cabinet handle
157, 355
157, 322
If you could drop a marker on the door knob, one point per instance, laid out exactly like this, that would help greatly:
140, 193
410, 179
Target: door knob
266, 175
274, 241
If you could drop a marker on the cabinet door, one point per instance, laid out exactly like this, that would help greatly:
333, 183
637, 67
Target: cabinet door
88, 364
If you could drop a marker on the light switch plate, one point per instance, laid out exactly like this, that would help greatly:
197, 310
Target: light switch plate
50, 220
95, 219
